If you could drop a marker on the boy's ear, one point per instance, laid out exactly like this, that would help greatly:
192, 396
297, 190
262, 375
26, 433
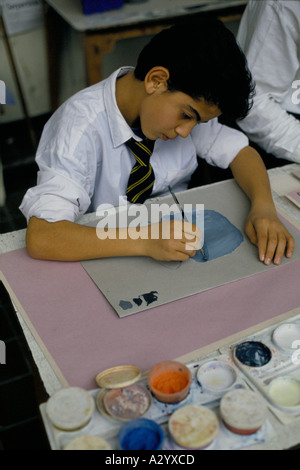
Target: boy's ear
157, 78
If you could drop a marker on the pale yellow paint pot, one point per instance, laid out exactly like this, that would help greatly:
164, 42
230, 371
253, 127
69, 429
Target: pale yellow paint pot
285, 391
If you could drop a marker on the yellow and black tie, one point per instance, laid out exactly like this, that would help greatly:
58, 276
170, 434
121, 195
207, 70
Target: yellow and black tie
141, 179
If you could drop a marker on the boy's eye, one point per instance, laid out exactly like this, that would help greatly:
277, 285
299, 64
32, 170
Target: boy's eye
186, 116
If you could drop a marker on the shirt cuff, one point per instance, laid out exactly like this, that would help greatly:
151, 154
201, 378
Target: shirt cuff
55, 199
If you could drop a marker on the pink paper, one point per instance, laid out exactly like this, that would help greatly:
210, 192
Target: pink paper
84, 335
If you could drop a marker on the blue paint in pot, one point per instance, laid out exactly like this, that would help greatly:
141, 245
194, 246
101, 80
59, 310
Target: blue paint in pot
253, 354
141, 434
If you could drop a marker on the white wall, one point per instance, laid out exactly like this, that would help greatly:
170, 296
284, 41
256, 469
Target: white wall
29, 50
30, 58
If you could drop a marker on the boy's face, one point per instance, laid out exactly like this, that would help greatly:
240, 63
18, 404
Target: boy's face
168, 114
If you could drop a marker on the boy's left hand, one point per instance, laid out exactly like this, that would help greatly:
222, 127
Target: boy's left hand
273, 240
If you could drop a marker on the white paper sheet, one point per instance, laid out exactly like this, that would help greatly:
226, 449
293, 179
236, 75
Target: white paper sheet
134, 284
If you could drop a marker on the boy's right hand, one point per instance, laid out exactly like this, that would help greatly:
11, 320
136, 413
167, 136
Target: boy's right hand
173, 240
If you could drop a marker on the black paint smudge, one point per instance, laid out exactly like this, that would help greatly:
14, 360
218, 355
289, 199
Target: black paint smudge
138, 301
150, 297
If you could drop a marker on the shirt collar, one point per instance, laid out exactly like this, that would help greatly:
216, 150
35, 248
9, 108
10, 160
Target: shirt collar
120, 131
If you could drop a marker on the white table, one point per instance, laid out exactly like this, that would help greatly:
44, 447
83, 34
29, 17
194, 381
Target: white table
15, 240
286, 435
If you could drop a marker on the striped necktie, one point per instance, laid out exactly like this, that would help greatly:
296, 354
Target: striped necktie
141, 179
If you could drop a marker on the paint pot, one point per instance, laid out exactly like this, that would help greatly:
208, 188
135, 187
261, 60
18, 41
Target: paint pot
70, 409
141, 434
119, 376
253, 354
170, 381
88, 443
194, 426
243, 411
127, 403
285, 391
216, 376
285, 335
121, 397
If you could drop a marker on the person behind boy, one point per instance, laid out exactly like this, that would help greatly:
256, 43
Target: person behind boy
185, 78
269, 35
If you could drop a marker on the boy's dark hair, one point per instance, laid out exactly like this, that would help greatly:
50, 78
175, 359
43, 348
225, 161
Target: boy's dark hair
204, 60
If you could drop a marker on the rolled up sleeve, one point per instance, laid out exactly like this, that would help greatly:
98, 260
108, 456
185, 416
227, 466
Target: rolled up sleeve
218, 144
67, 162
56, 197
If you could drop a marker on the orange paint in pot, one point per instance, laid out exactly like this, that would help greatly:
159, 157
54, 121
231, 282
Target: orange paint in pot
170, 381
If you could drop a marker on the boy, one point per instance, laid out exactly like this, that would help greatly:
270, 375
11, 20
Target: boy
184, 80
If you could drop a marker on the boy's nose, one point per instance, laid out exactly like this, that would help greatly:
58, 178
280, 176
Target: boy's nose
184, 130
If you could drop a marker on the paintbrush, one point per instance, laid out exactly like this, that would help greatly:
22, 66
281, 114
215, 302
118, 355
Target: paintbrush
185, 218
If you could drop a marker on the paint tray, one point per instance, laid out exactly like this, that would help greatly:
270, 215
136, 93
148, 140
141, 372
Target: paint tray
274, 371
108, 428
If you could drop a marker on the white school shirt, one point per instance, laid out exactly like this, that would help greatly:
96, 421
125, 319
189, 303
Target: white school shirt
269, 35
84, 162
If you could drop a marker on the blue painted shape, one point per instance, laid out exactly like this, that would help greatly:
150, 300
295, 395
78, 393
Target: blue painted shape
125, 305
221, 237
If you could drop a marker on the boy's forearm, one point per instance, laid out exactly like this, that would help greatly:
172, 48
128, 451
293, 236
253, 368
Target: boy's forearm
68, 241
250, 173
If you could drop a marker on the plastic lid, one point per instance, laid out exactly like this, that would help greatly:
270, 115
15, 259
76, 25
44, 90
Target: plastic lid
70, 408
87, 442
118, 377
193, 426
243, 409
